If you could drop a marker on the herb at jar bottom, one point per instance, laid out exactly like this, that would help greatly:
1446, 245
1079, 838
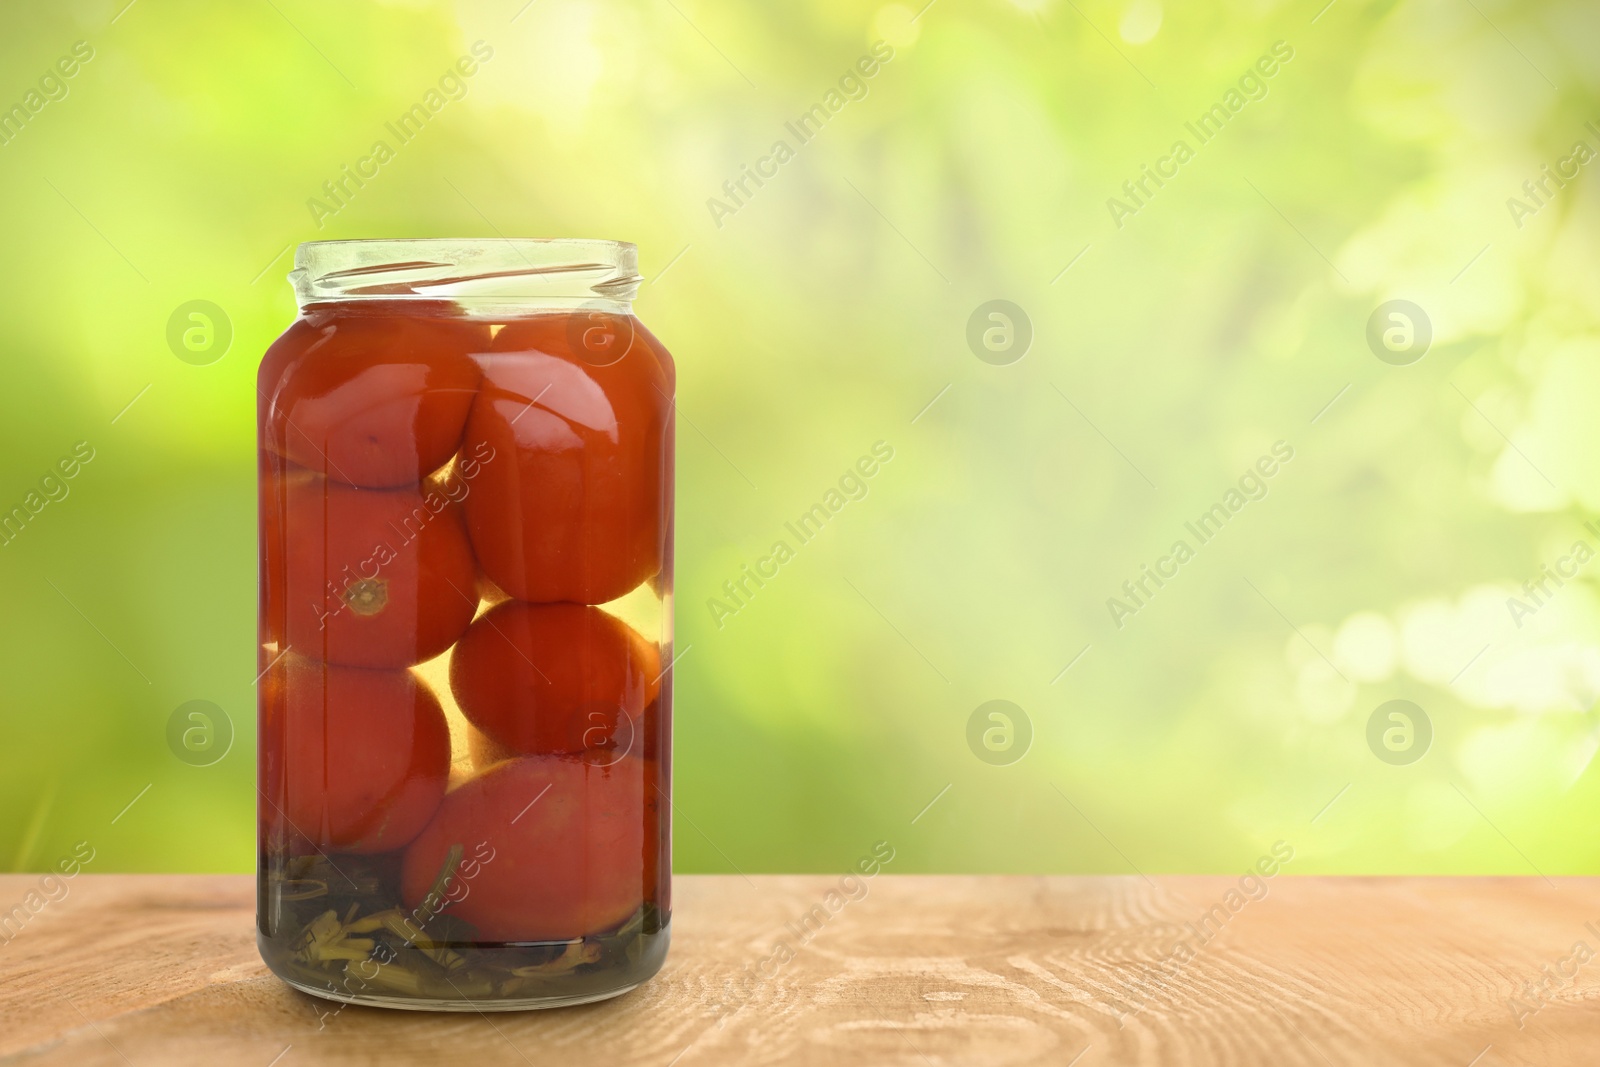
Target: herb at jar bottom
337, 941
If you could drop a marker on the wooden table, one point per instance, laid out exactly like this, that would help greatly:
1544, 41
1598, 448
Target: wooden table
921, 971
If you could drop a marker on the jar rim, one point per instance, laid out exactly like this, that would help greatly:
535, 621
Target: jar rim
497, 272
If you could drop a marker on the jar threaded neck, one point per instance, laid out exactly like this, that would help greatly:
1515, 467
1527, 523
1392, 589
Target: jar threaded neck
499, 273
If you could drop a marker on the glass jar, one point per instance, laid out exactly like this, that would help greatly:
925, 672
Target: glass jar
465, 700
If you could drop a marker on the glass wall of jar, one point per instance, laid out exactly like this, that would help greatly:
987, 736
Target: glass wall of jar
465, 459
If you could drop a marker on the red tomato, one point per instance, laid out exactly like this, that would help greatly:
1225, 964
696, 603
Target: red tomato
372, 397
364, 577
577, 509
353, 760
545, 679
567, 847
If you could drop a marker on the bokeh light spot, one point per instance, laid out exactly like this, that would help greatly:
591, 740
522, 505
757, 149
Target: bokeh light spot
1141, 22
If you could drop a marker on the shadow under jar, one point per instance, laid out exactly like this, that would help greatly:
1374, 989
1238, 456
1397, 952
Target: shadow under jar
465, 457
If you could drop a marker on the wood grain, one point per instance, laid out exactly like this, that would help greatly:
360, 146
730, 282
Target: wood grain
922, 971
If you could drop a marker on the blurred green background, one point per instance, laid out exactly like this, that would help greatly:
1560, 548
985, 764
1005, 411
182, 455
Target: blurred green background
1174, 341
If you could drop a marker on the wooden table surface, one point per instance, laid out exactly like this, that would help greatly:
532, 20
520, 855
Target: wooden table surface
922, 970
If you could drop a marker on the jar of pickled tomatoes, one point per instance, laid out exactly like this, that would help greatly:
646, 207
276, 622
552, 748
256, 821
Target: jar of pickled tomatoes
465, 459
